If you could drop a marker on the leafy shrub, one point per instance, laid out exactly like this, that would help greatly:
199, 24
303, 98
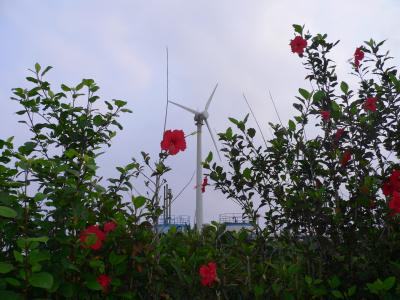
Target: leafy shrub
323, 194
329, 199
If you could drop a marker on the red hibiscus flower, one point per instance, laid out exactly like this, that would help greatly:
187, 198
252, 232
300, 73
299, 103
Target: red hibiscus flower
370, 104
394, 203
339, 133
298, 44
345, 157
204, 184
393, 184
104, 281
326, 115
173, 141
86, 237
358, 56
110, 226
208, 274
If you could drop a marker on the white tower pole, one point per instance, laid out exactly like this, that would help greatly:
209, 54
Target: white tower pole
199, 171
199, 118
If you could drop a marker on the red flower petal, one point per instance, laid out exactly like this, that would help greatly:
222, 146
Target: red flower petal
208, 274
204, 184
326, 115
345, 157
339, 133
90, 231
104, 281
298, 44
109, 226
358, 54
173, 141
393, 184
394, 203
370, 104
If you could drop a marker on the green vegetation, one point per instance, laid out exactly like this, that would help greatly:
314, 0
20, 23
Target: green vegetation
325, 209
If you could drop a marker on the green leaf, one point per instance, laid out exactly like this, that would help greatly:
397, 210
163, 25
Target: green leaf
97, 264
299, 107
10, 295
298, 28
298, 119
336, 111
98, 120
27, 148
292, 269
48, 68
351, 291
109, 106
65, 88
304, 93
251, 132
7, 212
258, 291
37, 68
389, 282
292, 125
288, 296
209, 157
241, 125
116, 259
66, 289
42, 280
233, 120
94, 99
5, 267
18, 256
247, 173
308, 279
88, 82
318, 96
70, 153
41, 239
334, 282
138, 201
31, 79
12, 281
344, 87
93, 284
337, 294
37, 256
39, 197
120, 103
91, 239
229, 134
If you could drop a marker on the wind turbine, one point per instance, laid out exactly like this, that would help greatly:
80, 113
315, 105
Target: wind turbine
200, 117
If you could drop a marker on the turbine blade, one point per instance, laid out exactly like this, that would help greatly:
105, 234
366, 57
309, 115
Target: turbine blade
209, 99
184, 107
212, 137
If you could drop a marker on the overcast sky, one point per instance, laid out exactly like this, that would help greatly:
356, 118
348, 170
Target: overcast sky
242, 45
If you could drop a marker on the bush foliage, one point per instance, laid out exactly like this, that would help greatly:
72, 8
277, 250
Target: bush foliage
324, 205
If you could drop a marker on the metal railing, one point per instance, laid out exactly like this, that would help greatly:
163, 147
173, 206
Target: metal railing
233, 218
176, 220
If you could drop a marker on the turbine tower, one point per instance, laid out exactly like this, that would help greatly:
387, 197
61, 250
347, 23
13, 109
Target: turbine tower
200, 118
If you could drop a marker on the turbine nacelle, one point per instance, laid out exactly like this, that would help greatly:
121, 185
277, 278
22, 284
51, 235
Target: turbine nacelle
201, 117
